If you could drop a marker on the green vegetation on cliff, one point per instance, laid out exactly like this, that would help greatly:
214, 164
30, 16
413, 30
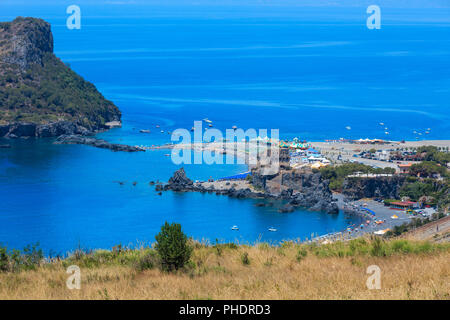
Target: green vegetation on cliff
429, 180
37, 87
337, 174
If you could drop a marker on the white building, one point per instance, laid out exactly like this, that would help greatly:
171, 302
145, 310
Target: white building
382, 155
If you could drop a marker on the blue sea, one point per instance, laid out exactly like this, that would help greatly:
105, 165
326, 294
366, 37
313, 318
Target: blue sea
309, 72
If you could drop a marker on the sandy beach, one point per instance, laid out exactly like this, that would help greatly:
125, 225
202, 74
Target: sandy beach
382, 213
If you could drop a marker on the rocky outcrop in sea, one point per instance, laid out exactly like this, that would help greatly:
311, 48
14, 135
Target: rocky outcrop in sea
307, 190
98, 143
179, 182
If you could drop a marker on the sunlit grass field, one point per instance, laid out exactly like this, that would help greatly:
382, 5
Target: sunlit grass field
409, 270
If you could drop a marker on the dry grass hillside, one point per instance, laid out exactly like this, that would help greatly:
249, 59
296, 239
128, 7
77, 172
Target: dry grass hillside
409, 270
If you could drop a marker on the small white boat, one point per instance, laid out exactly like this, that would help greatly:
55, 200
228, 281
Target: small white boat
272, 229
144, 131
162, 131
381, 123
348, 127
234, 228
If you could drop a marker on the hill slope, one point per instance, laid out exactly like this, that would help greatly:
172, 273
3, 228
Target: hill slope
39, 94
409, 270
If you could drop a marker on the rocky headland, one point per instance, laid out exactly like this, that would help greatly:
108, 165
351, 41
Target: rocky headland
298, 189
98, 143
40, 96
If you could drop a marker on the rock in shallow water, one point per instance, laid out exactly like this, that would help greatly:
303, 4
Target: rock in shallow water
179, 182
287, 208
78, 139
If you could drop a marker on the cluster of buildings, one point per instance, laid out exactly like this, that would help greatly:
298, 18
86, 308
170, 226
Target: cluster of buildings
381, 155
297, 154
413, 208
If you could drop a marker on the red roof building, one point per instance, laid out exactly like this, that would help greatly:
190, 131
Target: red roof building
403, 205
404, 168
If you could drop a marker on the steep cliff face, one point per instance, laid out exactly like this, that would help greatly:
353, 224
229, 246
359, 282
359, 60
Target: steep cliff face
380, 187
25, 41
37, 89
305, 189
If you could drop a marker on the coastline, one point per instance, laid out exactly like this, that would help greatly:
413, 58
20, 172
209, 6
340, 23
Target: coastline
382, 214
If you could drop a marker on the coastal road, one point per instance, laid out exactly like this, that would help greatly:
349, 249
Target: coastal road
332, 150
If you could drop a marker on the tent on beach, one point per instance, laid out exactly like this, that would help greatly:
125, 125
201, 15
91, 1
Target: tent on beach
368, 210
381, 232
240, 176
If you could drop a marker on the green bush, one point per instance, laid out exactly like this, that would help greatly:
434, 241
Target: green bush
4, 259
378, 248
401, 246
245, 259
15, 261
301, 254
172, 247
32, 256
358, 246
147, 261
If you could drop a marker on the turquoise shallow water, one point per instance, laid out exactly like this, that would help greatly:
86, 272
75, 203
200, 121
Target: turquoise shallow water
308, 72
